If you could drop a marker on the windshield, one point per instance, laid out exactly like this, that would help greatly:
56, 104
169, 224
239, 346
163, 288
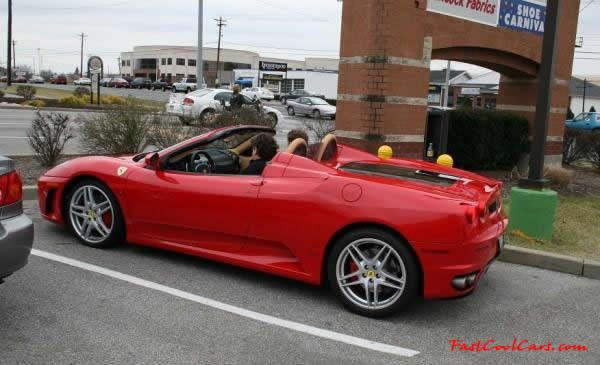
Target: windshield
317, 101
584, 116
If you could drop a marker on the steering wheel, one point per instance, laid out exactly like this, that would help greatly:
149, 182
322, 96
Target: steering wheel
201, 162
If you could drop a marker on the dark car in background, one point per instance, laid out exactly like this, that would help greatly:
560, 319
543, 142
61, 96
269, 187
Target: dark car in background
105, 82
300, 93
61, 80
161, 84
118, 83
141, 83
16, 229
20, 80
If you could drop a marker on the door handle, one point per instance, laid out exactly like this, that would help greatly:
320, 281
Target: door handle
257, 183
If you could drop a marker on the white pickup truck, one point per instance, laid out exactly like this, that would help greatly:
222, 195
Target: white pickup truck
186, 85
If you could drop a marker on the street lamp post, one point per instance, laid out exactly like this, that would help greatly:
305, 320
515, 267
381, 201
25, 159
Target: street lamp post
200, 59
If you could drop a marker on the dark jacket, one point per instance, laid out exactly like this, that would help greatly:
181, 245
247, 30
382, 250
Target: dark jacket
256, 167
237, 100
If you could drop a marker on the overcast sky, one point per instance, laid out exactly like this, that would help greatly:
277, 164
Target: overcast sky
277, 28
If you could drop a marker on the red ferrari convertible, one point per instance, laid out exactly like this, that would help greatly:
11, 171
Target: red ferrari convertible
379, 232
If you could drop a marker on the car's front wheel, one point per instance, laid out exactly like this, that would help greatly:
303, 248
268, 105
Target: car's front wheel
372, 272
174, 89
94, 215
272, 117
283, 101
317, 114
291, 111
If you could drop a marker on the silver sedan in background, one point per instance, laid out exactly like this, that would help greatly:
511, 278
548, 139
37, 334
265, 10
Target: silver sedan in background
311, 106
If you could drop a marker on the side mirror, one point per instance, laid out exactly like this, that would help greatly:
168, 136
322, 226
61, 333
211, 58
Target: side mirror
153, 160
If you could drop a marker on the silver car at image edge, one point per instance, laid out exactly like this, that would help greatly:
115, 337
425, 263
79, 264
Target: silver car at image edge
16, 229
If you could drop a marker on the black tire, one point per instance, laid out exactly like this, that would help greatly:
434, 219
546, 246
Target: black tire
283, 101
189, 90
117, 234
164, 89
411, 270
205, 114
153, 88
291, 111
273, 118
174, 90
316, 114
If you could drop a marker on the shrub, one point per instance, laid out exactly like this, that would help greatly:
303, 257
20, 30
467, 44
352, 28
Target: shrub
48, 135
1, 94
81, 91
26, 91
36, 103
72, 101
559, 176
486, 139
320, 127
593, 139
246, 116
167, 132
576, 145
113, 100
116, 132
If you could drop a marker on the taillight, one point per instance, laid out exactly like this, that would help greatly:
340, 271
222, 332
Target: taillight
11, 188
188, 101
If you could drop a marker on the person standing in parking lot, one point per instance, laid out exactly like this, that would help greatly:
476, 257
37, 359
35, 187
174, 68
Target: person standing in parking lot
237, 100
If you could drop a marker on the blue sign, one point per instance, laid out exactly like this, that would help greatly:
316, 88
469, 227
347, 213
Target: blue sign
523, 15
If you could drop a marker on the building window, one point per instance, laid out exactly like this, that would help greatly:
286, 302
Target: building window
190, 76
162, 76
298, 84
230, 66
286, 86
128, 62
123, 63
163, 61
169, 61
169, 76
191, 62
178, 77
180, 62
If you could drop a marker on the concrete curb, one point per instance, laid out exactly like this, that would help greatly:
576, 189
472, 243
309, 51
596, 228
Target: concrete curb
10, 107
512, 254
551, 261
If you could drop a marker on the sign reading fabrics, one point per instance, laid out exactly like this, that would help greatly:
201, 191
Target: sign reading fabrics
481, 11
523, 15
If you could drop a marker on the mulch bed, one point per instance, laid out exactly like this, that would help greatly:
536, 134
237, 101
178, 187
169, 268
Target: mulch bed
30, 170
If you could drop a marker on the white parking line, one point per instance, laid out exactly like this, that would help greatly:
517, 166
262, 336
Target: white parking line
2, 137
294, 326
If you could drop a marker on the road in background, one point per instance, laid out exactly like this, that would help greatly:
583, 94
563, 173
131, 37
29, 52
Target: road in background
54, 313
14, 124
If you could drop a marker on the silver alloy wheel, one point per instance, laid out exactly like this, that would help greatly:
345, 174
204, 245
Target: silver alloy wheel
87, 209
371, 274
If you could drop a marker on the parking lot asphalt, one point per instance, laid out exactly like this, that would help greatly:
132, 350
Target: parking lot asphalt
52, 313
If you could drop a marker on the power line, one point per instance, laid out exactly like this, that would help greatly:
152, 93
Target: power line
586, 5
73, 8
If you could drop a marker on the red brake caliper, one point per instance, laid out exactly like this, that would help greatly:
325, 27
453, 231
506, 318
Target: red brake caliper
107, 219
353, 268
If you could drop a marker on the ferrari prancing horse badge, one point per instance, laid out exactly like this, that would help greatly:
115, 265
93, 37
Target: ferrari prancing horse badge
121, 170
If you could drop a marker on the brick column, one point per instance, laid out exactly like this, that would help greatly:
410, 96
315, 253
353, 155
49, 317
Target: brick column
384, 76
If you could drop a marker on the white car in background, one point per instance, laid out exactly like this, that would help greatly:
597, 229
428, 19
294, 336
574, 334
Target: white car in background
256, 93
206, 102
84, 81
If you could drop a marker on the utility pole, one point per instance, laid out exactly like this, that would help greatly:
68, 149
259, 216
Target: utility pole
119, 60
82, 35
40, 63
200, 58
220, 23
8, 54
585, 87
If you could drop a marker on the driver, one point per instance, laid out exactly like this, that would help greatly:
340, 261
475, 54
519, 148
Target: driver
264, 148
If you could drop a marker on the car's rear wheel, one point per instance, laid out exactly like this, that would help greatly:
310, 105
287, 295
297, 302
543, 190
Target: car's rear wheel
207, 115
164, 89
372, 272
272, 117
189, 90
94, 215
291, 111
283, 101
153, 88
317, 114
174, 89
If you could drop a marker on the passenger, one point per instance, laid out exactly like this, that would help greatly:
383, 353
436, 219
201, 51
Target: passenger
264, 148
299, 133
237, 100
295, 134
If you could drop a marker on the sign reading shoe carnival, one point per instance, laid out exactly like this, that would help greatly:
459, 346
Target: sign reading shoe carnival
520, 15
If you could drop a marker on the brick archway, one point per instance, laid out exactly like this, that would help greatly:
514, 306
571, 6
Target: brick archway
386, 51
